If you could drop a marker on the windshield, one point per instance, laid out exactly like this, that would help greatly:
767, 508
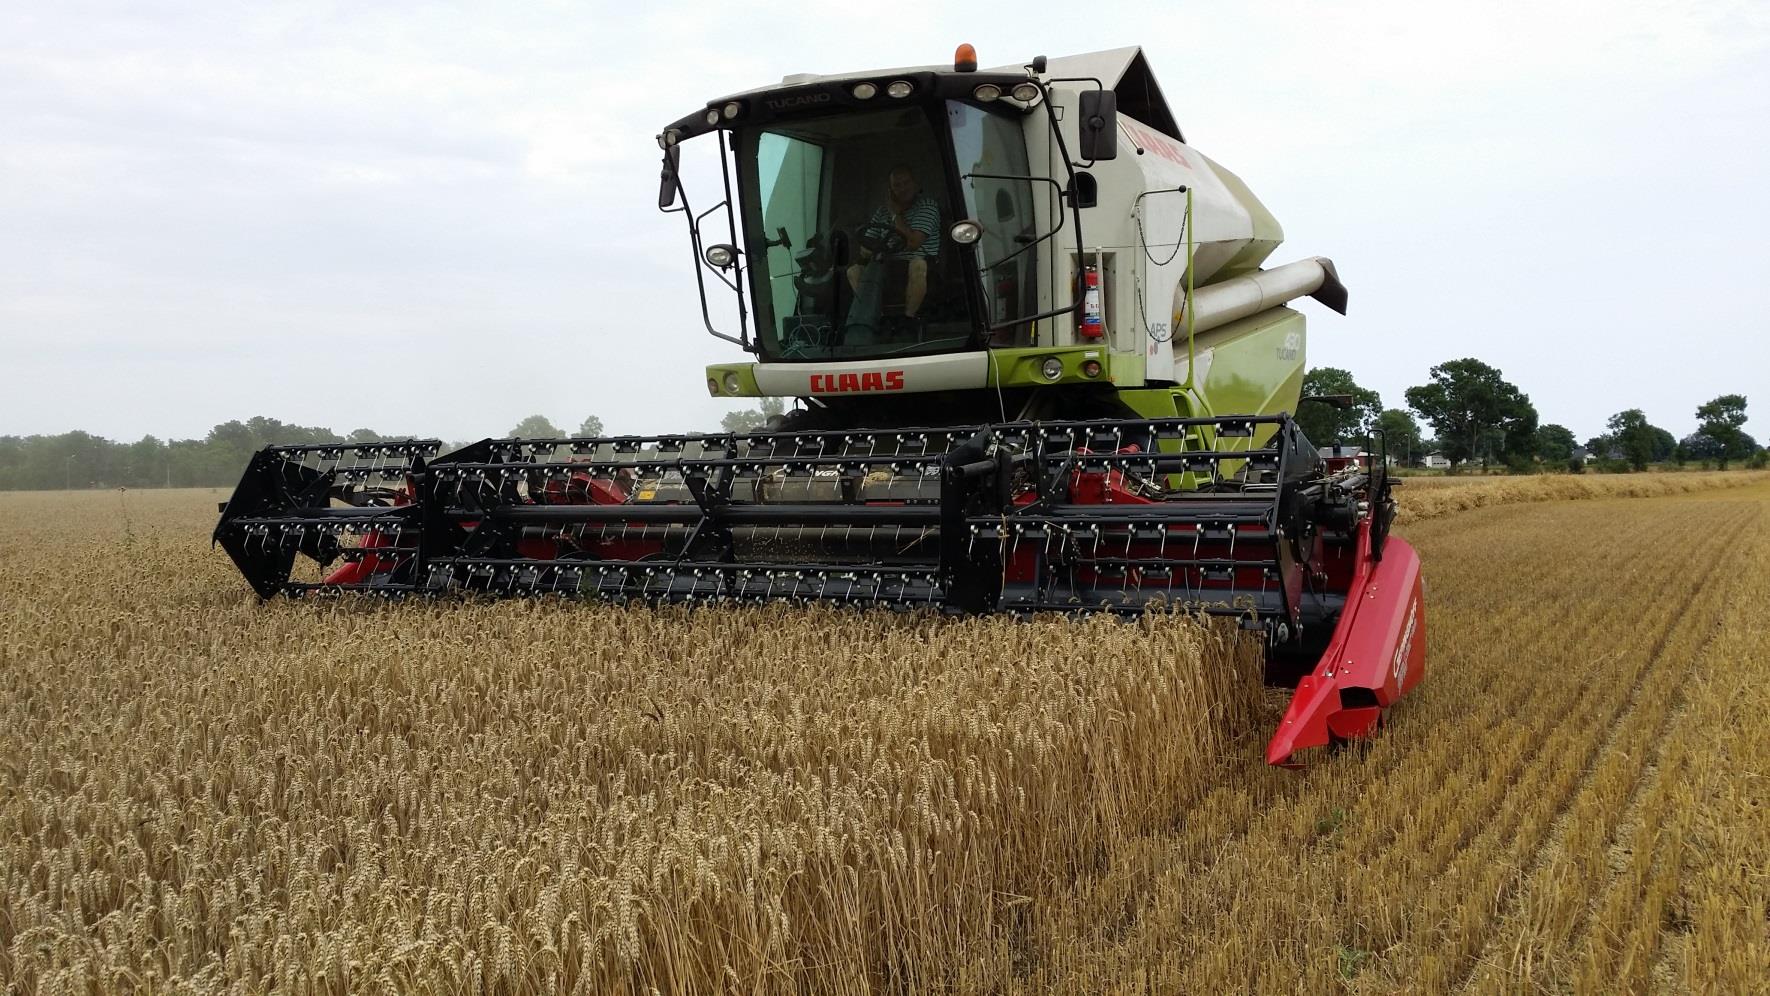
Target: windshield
846, 217
990, 149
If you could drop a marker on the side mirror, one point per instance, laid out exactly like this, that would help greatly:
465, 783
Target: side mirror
667, 182
1099, 125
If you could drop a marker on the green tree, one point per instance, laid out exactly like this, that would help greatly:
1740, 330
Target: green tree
274, 432
752, 419
148, 463
1631, 433
1401, 435
1476, 412
1699, 445
1702, 447
535, 427
1723, 420
1324, 423
591, 426
1665, 445
1554, 443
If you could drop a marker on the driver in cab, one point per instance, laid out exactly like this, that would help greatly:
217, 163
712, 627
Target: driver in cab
906, 227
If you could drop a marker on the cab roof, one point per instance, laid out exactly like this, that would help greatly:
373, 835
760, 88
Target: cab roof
1125, 71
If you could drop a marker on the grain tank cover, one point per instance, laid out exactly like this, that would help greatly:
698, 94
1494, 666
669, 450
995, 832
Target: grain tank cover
1126, 73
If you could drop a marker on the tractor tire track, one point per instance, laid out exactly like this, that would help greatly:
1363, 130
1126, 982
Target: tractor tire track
1215, 875
1262, 809
1415, 937
1653, 696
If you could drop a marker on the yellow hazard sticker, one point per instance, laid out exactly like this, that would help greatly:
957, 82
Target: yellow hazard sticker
647, 495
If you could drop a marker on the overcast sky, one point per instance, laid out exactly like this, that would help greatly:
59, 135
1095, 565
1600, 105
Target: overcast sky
439, 218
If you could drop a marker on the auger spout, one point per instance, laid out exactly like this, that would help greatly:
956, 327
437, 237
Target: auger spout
1220, 303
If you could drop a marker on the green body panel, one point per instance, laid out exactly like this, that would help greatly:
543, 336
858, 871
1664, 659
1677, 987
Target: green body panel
1249, 367
1255, 365
1162, 402
746, 375
1020, 366
1158, 402
1256, 368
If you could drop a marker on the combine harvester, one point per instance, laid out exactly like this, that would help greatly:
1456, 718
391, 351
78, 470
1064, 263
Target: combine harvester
1038, 367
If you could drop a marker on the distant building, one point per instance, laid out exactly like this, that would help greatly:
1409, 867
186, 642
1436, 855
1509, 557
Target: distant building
1436, 461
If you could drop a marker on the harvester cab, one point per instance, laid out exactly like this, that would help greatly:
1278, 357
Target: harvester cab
1036, 365
986, 237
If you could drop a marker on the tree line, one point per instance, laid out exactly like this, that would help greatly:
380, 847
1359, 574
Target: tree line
1478, 417
1475, 414
83, 460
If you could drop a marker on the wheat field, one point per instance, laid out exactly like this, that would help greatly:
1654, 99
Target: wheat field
1430, 497
202, 793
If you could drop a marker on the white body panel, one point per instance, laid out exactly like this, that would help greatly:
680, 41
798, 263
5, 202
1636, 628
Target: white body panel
907, 375
1138, 232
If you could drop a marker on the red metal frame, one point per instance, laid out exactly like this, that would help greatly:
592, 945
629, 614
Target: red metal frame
1378, 649
1114, 487
1376, 655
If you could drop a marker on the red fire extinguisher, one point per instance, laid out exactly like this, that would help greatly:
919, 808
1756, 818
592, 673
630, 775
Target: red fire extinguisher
1093, 324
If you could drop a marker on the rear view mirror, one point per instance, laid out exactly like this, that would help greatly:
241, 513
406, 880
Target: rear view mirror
1099, 125
667, 182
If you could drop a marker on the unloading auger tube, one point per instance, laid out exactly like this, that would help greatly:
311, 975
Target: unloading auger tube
1228, 516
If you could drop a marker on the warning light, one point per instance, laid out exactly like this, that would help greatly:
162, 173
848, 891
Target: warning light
965, 59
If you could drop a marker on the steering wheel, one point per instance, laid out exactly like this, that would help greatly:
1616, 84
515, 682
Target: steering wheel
878, 237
